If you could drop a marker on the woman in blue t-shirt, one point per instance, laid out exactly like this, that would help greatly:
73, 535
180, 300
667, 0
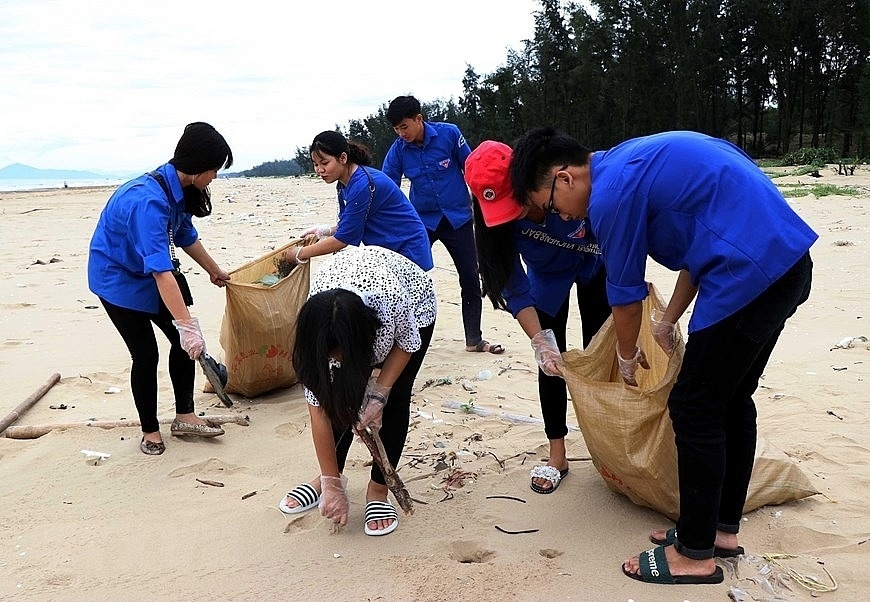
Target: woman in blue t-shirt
557, 255
371, 209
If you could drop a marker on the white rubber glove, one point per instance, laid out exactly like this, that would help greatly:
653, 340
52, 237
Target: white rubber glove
547, 353
371, 412
334, 503
191, 337
628, 368
320, 231
664, 333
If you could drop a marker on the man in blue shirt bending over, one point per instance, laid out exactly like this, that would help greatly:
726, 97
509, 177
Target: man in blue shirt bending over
432, 156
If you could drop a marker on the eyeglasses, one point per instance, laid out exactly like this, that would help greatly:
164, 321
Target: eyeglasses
550, 208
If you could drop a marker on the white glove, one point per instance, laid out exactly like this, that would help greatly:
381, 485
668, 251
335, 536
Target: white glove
664, 333
334, 503
547, 352
628, 368
191, 337
371, 413
320, 231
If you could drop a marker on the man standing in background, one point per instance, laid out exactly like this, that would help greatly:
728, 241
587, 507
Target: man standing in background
432, 156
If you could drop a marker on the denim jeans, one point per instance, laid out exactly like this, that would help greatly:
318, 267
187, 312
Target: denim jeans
713, 413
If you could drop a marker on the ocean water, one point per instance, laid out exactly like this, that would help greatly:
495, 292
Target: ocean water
13, 184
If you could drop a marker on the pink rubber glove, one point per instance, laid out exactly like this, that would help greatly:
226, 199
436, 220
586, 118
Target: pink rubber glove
320, 231
547, 353
191, 337
334, 503
628, 368
664, 333
371, 412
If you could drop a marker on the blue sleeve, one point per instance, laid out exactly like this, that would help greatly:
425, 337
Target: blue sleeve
393, 163
352, 221
148, 224
517, 292
621, 230
462, 150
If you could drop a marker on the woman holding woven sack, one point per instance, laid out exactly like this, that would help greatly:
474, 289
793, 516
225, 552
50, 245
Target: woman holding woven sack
371, 209
133, 270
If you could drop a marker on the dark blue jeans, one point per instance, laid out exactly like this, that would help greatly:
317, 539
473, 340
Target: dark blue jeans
135, 327
459, 243
397, 413
594, 310
713, 413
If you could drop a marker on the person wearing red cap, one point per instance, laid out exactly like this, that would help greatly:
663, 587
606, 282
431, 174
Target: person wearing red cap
699, 206
557, 255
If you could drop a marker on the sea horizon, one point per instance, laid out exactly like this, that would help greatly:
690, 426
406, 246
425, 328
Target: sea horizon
27, 184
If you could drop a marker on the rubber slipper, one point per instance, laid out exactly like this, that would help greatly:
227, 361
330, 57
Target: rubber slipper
483, 346
671, 538
654, 569
552, 474
305, 496
380, 511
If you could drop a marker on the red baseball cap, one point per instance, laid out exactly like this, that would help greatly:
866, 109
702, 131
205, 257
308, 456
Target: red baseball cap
487, 175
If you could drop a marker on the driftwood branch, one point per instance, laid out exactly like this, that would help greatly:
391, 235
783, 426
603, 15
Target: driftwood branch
38, 430
394, 482
28, 403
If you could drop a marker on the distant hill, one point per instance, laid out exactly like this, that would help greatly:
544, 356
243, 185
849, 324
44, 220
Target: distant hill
17, 171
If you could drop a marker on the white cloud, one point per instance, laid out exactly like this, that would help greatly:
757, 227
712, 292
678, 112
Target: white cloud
110, 85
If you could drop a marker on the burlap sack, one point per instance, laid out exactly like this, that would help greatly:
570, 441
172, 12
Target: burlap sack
259, 325
628, 431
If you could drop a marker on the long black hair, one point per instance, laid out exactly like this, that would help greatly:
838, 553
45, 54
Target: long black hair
496, 256
334, 352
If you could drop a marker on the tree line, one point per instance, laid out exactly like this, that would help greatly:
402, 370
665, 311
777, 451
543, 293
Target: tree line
772, 76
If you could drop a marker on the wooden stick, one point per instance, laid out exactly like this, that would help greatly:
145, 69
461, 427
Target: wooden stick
38, 430
28, 403
394, 482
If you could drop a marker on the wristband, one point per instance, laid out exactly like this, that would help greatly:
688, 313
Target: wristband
298, 260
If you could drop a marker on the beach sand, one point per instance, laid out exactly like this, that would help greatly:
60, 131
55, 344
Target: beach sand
135, 527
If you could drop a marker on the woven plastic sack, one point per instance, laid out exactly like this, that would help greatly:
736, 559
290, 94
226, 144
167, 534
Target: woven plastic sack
628, 430
259, 325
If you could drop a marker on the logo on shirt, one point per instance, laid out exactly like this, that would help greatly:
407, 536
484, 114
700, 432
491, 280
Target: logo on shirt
444, 164
579, 232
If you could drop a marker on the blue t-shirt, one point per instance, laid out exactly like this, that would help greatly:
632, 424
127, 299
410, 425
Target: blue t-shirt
697, 203
385, 219
435, 170
556, 255
131, 240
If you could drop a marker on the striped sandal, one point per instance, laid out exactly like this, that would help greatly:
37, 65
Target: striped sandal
305, 496
381, 511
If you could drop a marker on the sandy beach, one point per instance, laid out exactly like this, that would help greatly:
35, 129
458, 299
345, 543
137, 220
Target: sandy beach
120, 525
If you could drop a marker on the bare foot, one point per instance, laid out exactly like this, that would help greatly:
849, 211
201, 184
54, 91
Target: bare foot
678, 564
377, 493
292, 503
725, 541
558, 459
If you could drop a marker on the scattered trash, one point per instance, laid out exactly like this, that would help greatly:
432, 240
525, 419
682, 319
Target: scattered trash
111, 390
849, 342
484, 375
212, 483
95, 454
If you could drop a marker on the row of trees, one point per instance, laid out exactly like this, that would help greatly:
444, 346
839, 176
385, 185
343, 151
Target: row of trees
770, 75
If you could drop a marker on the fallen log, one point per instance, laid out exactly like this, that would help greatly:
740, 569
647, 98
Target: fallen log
28, 403
394, 482
38, 430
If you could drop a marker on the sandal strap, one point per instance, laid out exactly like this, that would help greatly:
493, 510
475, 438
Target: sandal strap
380, 511
546, 472
303, 494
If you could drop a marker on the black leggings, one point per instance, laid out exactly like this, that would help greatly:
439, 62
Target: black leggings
594, 310
397, 413
138, 334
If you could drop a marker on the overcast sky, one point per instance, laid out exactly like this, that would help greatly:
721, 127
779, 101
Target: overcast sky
109, 86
